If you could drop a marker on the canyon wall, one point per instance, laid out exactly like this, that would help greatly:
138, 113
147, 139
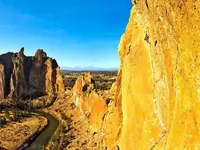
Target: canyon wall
29, 77
159, 76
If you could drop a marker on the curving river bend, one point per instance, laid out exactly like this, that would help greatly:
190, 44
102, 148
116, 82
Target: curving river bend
43, 138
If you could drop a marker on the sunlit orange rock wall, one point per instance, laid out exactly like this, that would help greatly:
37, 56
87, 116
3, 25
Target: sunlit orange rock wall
89, 102
160, 76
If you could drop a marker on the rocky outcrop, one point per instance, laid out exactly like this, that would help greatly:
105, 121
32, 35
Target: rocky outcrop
18, 82
87, 99
38, 72
59, 81
29, 77
158, 88
6, 62
2, 81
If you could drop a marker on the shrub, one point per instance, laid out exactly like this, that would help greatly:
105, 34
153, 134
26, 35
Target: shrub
2, 121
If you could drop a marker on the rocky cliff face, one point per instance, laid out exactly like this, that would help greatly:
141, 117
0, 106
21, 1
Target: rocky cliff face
158, 81
18, 82
101, 109
87, 99
29, 77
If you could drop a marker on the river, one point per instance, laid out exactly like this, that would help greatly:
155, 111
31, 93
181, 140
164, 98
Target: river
43, 138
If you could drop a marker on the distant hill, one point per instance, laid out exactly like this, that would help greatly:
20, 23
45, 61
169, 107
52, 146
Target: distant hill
89, 68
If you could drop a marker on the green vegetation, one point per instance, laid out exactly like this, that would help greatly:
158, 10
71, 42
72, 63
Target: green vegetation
14, 115
66, 118
103, 79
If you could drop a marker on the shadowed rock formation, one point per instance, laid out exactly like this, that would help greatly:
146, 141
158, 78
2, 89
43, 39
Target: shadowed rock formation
2, 81
29, 77
6, 61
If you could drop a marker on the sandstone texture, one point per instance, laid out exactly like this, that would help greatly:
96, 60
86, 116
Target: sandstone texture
29, 77
158, 80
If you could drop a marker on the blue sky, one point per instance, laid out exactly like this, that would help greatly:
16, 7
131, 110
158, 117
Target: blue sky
74, 32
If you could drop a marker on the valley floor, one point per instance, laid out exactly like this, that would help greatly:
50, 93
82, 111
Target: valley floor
15, 134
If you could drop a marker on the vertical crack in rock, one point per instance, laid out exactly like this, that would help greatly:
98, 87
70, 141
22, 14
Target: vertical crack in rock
147, 38
147, 5
156, 43
177, 102
158, 113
